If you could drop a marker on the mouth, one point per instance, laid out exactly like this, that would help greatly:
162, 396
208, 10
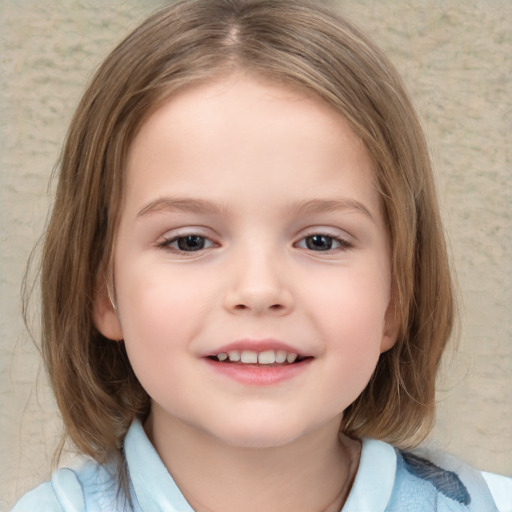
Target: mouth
258, 362
266, 358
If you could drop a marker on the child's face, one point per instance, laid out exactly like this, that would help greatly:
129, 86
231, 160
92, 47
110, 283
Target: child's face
251, 225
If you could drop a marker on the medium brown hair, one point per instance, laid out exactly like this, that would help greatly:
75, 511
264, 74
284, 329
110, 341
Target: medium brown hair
300, 42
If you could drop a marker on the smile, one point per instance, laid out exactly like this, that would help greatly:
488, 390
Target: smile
258, 362
266, 357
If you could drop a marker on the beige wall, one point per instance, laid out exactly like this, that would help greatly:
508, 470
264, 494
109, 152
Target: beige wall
456, 59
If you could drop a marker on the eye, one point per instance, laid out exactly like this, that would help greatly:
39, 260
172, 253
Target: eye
320, 242
187, 243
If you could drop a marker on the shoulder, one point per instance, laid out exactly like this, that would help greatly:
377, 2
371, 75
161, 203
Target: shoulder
392, 480
41, 498
440, 482
62, 493
82, 489
501, 490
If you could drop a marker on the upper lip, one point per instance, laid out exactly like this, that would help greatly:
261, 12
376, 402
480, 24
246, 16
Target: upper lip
256, 345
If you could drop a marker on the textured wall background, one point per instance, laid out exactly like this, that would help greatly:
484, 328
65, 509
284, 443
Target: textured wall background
456, 59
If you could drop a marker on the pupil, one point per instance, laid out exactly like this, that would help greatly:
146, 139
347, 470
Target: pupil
319, 242
191, 243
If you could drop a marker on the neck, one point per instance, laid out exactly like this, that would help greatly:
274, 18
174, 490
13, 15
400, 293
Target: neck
313, 473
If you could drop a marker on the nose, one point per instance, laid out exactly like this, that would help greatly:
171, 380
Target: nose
258, 286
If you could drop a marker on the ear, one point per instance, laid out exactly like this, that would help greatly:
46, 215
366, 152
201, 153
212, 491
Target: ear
391, 326
105, 315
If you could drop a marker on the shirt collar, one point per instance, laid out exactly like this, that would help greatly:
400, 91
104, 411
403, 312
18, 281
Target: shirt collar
156, 491
374, 480
153, 486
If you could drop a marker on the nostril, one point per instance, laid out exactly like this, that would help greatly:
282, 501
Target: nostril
273, 307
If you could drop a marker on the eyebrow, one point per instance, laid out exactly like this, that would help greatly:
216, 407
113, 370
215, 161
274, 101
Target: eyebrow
201, 206
330, 205
185, 205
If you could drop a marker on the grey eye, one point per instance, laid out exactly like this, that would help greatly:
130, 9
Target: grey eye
319, 242
190, 243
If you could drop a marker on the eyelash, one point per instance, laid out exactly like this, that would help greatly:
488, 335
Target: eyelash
167, 243
343, 244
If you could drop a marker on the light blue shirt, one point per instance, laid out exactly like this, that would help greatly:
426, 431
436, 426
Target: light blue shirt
387, 480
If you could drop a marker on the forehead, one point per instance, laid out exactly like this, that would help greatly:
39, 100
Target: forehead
208, 134
224, 103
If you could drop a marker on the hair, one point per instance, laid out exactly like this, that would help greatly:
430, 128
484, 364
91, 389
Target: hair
303, 43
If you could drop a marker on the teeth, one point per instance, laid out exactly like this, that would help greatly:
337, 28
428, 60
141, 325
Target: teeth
252, 357
281, 356
234, 355
291, 358
248, 356
267, 357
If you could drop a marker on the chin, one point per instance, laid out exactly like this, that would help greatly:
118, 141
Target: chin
260, 435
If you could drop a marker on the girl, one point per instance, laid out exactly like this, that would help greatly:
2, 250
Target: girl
245, 286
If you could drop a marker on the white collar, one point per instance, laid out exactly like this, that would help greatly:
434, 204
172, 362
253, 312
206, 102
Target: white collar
374, 480
156, 491
153, 486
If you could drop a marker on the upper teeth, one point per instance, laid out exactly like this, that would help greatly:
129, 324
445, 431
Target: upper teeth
252, 357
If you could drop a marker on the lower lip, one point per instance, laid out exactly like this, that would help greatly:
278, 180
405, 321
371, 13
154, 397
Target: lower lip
259, 375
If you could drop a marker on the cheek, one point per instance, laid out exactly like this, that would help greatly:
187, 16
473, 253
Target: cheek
350, 317
353, 350
353, 301
159, 320
160, 309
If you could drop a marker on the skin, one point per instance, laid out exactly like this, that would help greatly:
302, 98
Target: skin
256, 171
